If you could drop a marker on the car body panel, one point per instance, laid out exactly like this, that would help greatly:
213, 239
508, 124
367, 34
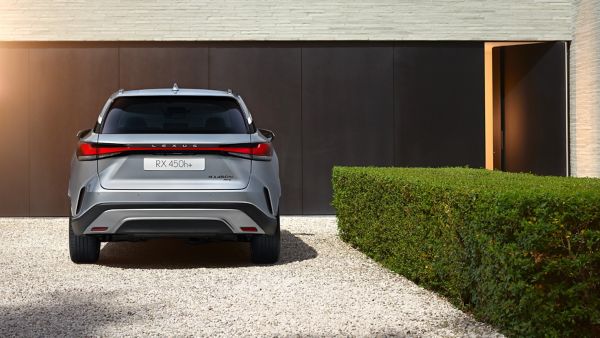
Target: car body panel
222, 172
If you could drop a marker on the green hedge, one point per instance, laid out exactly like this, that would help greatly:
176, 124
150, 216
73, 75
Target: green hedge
519, 251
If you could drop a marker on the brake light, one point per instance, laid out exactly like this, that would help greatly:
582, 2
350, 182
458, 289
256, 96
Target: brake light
263, 150
86, 151
92, 151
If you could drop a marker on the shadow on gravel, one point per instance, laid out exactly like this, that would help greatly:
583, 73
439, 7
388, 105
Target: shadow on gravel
64, 313
178, 254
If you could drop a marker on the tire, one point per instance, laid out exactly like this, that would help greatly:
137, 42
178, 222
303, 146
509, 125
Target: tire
264, 249
83, 249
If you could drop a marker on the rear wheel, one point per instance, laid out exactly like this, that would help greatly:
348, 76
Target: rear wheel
83, 249
264, 249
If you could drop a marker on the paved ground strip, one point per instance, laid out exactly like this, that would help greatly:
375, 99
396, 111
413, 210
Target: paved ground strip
320, 287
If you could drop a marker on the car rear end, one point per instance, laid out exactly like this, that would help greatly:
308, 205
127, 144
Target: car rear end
183, 163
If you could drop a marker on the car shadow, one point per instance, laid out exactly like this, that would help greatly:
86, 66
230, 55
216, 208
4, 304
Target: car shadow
179, 254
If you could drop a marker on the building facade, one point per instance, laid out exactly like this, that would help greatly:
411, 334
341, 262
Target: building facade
341, 82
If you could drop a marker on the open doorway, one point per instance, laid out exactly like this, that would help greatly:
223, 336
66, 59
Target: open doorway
527, 107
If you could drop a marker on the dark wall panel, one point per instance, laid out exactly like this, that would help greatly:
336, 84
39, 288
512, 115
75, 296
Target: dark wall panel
410, 104
535, 109
439, 107
14, 119
161, 66
268, 78
69, 86
347, 115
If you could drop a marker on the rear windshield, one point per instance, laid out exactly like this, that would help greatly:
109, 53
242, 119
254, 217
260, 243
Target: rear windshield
174, 115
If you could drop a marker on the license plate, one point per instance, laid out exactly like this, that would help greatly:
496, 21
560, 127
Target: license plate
174, 164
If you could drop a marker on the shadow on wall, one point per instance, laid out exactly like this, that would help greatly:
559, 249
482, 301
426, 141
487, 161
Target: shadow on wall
68, 313
177, 254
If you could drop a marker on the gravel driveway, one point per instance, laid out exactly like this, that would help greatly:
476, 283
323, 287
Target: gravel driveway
321, 287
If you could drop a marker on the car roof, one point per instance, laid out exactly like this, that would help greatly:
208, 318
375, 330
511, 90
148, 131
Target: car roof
171, 92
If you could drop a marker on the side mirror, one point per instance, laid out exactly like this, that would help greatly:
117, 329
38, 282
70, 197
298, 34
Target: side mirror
83, 132
268, 134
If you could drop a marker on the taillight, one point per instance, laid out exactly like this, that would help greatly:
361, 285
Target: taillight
86, 151
262, 151
92, 151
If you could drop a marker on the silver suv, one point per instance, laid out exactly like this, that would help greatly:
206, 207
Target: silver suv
184, 163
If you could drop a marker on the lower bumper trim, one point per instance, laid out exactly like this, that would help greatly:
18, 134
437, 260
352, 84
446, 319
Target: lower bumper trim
267, 223
173, 227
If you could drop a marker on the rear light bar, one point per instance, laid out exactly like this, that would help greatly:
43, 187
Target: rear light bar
93, 151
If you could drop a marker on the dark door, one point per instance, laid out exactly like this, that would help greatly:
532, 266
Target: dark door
439, 104
534, 108
347, 115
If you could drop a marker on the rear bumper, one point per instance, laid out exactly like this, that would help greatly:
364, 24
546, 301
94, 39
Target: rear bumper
174, 212
173, 219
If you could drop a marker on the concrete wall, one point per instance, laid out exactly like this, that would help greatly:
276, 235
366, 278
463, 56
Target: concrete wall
585, 90
115, 20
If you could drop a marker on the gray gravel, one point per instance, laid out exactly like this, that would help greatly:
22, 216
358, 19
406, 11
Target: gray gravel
321, 287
